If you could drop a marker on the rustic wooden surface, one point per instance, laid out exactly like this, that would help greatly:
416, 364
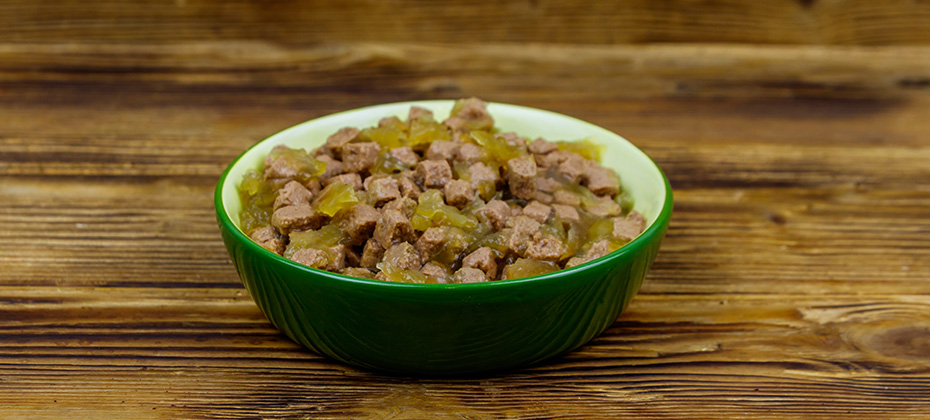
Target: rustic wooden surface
794, 281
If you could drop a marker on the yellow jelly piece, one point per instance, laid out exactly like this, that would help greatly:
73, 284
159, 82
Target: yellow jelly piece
526, 267
586, 148
334, 198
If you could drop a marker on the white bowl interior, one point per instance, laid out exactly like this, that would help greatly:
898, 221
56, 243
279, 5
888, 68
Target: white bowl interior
639, 176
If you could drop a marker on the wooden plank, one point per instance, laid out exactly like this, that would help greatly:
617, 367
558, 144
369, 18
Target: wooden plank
849, 22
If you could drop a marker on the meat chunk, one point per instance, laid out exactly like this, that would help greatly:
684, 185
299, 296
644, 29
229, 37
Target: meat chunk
311, 257
300, 217
433, 173
333, 167
567, 198
268, 238
436, 271
442, 150
481, 173
603, 206
402, 255
351, 178
600, 180
358, 272
537, 211
470, 114
359, 223
519, 232
419, 113
406, 155
470, 153
408, 188
544, 198
405, 205
597, 250
338, 255
572, 168
282, 165
383, 190
431, 242
389, 121
339, 139
566, 213
541, 146
482, 259
629, 227
545, 247
521, 175
548, 185
458, 193
358, 157
495, 213
371, 254
293, 193
393, 227
469, 275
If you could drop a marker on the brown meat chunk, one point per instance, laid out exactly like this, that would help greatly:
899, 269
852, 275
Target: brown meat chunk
371, 254
339, 139
359, 223
537, 211
333, 167
470, 153
338, 253
566, 213
402, 255
469, 275
567, 198
433, 173
351, 178
314, 186
405, 205
436, 271
603, 206
393, 227
352, 257
597, 250
521, 175
311, 257
600, 180
479, 172
629, 227
495, 213
300, 217
572, 168
406, 155
268, 238
544, 198
431, 242
388, 121
545, 247
541, 146
358, 272
383, 190
442, 150
519, 232
357, 157
293, 193
282, 168
523, 224
482, 259
548, 185
417, 113
407, 186
471, 114
458, 193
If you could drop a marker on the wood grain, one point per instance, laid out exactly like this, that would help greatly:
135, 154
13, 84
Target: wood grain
812, 22
794, 281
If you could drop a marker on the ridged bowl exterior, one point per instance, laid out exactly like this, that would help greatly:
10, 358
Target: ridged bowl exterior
419, 330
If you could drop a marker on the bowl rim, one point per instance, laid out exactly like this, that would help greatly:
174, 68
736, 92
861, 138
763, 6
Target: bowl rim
656, 228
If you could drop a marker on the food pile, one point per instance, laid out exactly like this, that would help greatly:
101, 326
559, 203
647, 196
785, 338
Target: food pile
419, 201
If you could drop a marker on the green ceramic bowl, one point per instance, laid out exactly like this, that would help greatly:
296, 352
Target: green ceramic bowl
455, 328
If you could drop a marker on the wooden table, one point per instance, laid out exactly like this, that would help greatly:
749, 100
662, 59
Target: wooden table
794, 281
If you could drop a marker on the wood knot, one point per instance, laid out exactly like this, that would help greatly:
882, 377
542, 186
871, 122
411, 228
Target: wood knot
905, 342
